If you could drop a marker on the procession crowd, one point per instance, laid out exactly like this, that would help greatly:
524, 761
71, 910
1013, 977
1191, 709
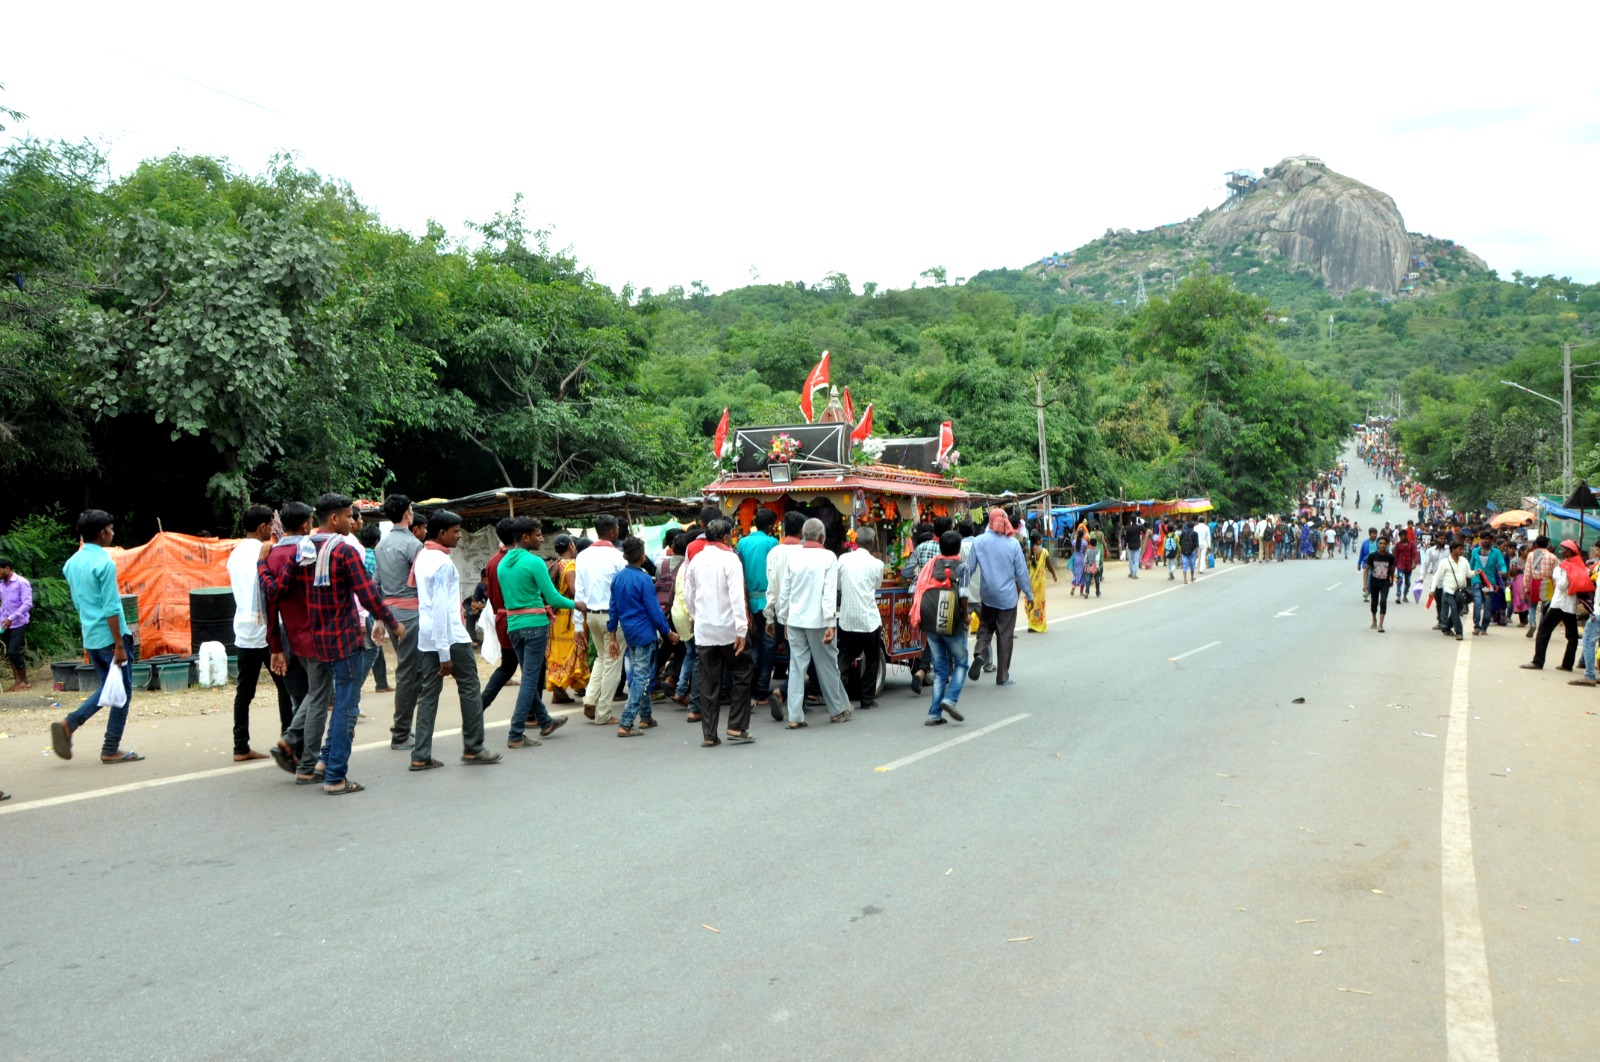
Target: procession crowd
706, 624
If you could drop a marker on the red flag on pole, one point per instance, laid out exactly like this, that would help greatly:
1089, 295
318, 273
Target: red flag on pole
863, 429
720, 441
947, 439
849, 406
814, 383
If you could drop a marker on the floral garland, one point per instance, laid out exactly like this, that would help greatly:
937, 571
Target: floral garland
868, 451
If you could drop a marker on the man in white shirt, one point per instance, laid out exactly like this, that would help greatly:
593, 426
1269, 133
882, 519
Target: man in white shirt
810, 598
860, 575
443, 640
713, 588
596, 567
250, 632
1202, 530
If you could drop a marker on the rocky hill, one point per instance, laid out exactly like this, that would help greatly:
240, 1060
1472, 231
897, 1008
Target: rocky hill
1300, 227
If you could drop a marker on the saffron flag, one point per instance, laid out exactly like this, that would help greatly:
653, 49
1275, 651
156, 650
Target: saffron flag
849, 406
814, 383
720, 441
947, 438
864, 429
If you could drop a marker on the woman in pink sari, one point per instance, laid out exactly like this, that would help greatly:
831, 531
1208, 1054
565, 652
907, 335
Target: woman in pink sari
1147, 558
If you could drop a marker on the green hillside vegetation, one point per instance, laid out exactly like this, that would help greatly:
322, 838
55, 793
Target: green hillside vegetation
1435, 355
191, 337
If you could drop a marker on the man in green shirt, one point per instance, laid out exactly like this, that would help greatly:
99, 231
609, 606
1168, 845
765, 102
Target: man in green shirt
92, 579
529, 596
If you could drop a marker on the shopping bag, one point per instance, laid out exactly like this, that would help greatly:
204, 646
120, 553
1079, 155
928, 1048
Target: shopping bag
1211, 560
491, 641
113, 692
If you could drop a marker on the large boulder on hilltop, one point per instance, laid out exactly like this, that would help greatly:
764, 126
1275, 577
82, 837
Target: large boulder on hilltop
1349, 233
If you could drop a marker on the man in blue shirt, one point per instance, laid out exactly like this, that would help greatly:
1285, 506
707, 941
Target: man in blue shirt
635, 610
753, 549
1368, 547
92, 579
999, 557
1489, 569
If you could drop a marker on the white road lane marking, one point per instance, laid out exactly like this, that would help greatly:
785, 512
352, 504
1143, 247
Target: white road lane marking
195, 776
1290, 612
1217, 573
1468, 1004
1191, 652
952, 743
1335, 586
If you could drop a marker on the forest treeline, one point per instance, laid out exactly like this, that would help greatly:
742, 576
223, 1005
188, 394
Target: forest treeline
186, 338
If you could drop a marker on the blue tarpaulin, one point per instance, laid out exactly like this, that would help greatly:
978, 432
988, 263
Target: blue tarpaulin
1557, 512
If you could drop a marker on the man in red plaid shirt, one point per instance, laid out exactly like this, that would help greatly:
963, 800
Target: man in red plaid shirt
324, 575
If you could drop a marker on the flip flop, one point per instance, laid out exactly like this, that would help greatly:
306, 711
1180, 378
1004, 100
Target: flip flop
310, 779
713, 743
949, 708
527, 741
842, 717
5, 796
740, 739
346, 786
61, 738
795, 726
123, 757
648, 723
425, 765
482, 759
628, 731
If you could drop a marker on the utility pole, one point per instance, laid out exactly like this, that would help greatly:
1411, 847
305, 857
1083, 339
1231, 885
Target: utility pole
1044, 461
1566, 420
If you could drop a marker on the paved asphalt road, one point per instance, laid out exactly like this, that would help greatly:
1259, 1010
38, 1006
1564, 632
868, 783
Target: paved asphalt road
1152, 859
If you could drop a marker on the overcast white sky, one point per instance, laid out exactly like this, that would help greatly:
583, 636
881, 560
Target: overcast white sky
668, 143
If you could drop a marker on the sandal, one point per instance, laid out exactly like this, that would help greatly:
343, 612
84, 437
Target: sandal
842, 717
310, 779
795, 726
346, 786
737, 738
710, 743
426, 765
628, 731
648, 723
61, 738
523, 742
692, 717
122, 757
550, 728
482, 759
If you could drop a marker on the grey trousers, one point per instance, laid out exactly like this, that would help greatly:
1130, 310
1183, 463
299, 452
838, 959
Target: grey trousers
310, 719
806, 645
1001, 625
407, 676
464, 669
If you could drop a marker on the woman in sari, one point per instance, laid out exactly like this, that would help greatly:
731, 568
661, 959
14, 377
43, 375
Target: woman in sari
1080, 550
568, 666
1152, 548
1038, 565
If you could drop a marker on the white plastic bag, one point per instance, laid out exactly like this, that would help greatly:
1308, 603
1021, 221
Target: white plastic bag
491, 640
113, 692
212, 664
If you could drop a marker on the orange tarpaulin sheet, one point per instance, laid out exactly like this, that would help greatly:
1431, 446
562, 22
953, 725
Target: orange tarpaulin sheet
162, 572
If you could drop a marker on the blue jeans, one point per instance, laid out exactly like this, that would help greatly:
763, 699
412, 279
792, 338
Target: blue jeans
1480, 607
687, 671
348, 675
528, 644
101, 659
641, 670
1591, 637
763, 647
949, 668
1133, 563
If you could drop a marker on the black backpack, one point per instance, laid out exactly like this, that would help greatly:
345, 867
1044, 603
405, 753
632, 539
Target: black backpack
942, 607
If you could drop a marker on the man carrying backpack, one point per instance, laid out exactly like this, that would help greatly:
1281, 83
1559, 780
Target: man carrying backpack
1188, 550
940, 612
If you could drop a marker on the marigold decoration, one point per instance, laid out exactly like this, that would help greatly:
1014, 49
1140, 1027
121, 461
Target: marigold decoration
746, 515
782, 448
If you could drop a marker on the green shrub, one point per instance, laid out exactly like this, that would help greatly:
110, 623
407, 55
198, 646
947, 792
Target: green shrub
38, 545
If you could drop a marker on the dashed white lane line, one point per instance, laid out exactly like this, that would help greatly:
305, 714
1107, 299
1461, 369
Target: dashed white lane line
1191, 652
1468, 1004
1290, 612
952, 743
1335, 586
195, 776
1209, 576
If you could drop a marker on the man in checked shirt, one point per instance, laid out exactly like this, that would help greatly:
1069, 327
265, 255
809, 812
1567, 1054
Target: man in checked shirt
328, 575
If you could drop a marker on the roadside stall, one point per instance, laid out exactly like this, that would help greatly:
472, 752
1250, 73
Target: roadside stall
813, 469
